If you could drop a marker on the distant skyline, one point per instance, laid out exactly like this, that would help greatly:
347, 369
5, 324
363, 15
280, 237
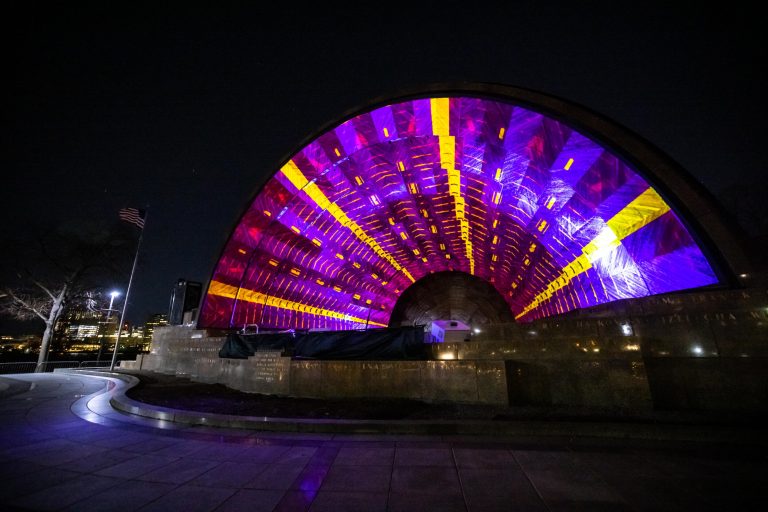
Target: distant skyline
186, 110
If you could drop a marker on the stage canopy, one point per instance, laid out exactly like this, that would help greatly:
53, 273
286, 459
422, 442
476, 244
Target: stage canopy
547, 215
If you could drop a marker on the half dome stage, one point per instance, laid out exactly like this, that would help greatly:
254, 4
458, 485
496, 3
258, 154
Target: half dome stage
596, 272
551, 218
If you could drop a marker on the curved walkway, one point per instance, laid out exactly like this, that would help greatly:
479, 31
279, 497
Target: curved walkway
62, 447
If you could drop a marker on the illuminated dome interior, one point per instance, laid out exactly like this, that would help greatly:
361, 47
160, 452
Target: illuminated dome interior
450, 296
549, 217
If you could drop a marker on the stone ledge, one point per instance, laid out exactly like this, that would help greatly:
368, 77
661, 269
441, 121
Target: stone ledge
523, 429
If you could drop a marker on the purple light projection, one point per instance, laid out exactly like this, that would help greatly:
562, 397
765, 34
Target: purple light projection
553, 220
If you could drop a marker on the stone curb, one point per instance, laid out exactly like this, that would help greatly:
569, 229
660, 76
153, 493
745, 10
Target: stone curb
524, 428
10, 386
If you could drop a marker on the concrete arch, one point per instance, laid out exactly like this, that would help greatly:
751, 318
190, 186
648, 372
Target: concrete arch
555, 206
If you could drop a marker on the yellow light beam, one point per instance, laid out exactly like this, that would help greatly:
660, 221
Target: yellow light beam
225, 290
440, 108
298, 180
643, 210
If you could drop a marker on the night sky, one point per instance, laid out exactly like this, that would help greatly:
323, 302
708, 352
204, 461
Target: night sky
187, 110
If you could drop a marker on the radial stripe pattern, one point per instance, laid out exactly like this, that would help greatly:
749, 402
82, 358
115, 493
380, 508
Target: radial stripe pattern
548, 216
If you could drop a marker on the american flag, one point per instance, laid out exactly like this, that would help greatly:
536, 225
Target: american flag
134, 216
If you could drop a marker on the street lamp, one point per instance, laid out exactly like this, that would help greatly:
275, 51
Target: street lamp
112, 296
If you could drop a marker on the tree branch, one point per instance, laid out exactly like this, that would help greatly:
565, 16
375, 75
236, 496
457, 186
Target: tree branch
26, 305
42, 287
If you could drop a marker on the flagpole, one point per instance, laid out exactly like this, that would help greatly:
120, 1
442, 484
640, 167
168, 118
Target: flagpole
127, 292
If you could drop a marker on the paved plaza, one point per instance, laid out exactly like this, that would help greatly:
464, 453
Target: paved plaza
62, 447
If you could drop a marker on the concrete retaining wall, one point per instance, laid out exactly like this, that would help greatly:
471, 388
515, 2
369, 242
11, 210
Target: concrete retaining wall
453, 381
709, 358
193, 354
486, 378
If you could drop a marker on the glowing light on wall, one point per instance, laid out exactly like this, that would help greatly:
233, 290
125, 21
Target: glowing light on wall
552, 219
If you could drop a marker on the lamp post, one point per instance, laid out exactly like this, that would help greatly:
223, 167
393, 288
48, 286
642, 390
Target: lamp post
112, 296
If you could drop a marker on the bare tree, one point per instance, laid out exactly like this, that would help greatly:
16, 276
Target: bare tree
58, 270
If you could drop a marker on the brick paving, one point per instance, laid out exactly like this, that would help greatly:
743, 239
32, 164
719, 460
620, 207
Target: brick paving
63, 448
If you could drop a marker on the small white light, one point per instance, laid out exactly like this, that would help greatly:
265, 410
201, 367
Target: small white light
114, 294
626, 329
743, 276
697, 350
477, 331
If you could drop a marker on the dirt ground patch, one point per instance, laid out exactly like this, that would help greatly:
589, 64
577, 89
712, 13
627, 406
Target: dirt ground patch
181, 393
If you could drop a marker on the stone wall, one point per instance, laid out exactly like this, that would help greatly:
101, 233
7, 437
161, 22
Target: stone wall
704, 350
193, 354
570, 370
182, 351
482, 382
698, 351
737, 384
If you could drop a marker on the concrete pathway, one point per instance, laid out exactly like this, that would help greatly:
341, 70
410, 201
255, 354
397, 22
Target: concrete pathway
63, 448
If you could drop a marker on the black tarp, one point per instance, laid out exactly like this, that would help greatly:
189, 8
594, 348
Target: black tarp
396, 343
242, 346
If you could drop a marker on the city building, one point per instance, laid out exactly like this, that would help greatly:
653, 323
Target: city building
155, 320
82, 330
